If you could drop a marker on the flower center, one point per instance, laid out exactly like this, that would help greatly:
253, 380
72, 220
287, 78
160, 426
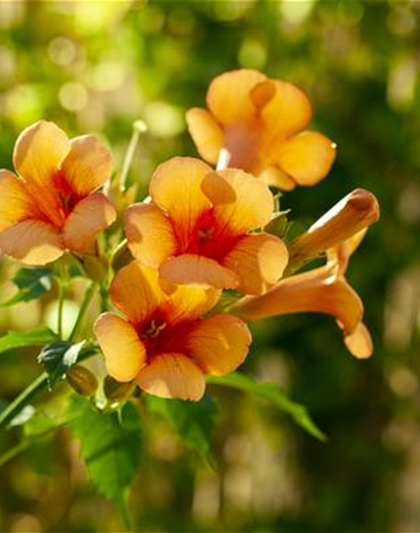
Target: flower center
205, 233
152, 329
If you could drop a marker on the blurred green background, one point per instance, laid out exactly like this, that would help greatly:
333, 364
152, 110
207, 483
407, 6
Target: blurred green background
98, 66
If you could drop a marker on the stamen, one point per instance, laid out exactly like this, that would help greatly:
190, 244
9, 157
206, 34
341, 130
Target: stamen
153, 329
205, 233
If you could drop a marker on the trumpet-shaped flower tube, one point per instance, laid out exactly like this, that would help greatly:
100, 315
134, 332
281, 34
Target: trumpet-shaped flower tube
52, 205
349, 216
162, 342
321, 290
259, 121
197, 228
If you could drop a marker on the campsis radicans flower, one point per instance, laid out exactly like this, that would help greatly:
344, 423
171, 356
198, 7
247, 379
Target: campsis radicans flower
196, 230
259, 122
321, 290
356, 211
53, 205
162, 342
325, 289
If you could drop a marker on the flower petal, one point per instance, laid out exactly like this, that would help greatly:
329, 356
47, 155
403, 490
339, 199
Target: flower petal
286, 113
149, 233
172, 375
262, 93
190, 302
206, 133
241, 202
359, 343
276, 177
90, 216
339, 254
353, 243
33, 242
135, 290
88, 165
125, 354
228, 97
16, 203
345, 219
219, 344
176, 188
199, 270
259, 261
306, 157
316, 291
38, 152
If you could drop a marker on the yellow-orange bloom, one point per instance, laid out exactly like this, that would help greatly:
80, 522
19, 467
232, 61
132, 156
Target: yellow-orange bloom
196, 230
52, 205
163, 343
259, 122
322, 290
353, 213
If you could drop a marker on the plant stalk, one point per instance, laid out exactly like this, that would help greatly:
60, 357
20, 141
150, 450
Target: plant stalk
83, 308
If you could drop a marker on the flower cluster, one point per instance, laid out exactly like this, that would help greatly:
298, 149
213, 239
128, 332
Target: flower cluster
200, 231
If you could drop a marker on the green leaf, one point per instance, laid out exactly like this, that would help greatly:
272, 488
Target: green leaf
111, 445
20, 339
193, 421
32, 283
273, 394
57, 358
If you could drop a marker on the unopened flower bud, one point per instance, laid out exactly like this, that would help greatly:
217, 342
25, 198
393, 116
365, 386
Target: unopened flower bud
116, 391
121, 257
82, 380
96, 267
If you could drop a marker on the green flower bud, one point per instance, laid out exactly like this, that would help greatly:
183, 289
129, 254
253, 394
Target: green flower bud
96, 267
82, 380
121, 257
116, 391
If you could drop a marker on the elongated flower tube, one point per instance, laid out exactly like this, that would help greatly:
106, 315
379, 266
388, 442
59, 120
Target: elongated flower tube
321, 290
162, 342
354, 212
258, 121
196, 230
52, 205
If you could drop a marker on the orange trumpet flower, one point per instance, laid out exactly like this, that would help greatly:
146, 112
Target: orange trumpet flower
259, 122
163, 343
196, 230
51, 206
354, 212
322, 290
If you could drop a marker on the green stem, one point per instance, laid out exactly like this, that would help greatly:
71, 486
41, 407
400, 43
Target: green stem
139, 127
32, 390
62, 286
104, 294
23, 399
24, 445
83, 308
60, 309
